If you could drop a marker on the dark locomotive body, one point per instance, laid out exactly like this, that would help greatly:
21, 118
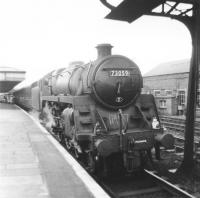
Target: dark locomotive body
98, 112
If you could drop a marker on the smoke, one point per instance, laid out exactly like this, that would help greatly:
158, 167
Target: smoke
45, 117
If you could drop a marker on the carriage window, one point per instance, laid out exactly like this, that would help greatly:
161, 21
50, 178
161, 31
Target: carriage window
45, 82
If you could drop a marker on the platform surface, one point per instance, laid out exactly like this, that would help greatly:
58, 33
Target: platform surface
31, 166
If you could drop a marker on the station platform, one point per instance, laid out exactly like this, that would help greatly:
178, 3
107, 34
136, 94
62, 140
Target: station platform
34, 165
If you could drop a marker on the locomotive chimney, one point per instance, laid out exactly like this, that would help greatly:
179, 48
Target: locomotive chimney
103, 50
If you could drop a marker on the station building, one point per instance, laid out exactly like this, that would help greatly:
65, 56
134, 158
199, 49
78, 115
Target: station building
9, 77
168, 82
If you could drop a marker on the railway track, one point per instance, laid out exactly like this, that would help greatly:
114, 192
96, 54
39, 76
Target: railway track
177, 128
178, 124
174, 189
147, 184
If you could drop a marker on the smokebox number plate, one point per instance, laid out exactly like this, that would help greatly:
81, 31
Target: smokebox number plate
117, 73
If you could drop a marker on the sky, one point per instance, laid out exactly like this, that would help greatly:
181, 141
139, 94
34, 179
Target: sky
42, 35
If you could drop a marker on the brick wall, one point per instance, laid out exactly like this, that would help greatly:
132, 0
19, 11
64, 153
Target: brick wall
167, 82
167, 104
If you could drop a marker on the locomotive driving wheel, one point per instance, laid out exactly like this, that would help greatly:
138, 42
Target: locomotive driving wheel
68, 144
90, 162
77, 155
61, 138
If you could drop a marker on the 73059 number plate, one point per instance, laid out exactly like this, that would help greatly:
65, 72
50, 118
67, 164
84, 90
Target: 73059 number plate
117, 73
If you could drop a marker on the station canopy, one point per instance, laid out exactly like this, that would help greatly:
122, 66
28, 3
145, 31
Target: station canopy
130, 10
10, 77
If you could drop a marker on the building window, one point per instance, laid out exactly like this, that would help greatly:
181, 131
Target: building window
168, 92
162, 103
156, 92
181, 97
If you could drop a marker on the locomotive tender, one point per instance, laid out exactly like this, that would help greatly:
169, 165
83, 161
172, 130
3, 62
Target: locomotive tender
98, 112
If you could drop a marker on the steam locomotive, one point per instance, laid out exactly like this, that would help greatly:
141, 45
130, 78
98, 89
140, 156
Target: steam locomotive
98, 112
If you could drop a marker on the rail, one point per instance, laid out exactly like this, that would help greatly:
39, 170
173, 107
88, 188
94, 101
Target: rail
178, 124
174, 189
151, 185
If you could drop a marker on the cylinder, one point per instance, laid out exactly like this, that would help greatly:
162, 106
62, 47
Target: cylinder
105, 147
166, 140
